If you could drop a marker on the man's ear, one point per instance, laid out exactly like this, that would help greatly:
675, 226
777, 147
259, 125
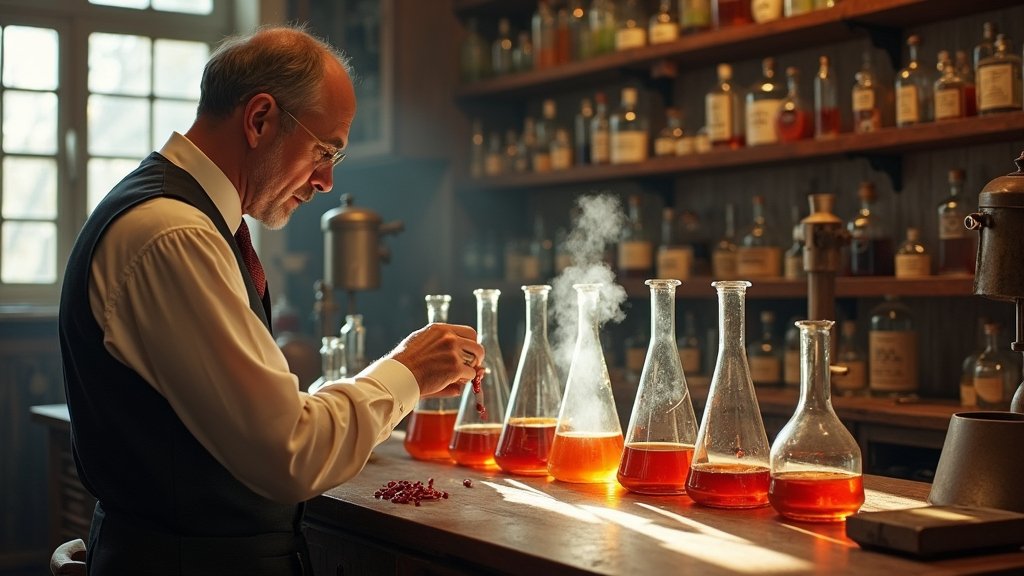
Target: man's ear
258, 119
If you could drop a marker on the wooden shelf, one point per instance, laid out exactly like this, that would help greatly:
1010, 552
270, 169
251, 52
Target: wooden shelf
888, 141
846, 20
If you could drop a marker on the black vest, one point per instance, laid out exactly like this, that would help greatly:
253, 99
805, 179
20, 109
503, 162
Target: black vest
166, 505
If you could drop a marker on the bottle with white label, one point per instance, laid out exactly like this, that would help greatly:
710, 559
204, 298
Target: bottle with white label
892, 350
912, 258
999, 79
723, 112
996, 373
664, 27
763, 101
674, 258
627, 131
950, 102
850, 354
913, 89
667, 141
867, 112
758, 256
600, 151
763, 354
632, 26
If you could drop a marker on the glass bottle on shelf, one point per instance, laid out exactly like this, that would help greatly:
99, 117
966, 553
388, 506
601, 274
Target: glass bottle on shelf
602, 26
867, 102
795, 121
579, 30
758, 256
793, 260
791, 355
477, 152
815, 462
996, 373
957, 249
561, 150
494, 159
667, 141
728, 13
730, 467
826, 103
501, 49
588, 440
766, 10
689, 346
515, 153
662, 426
522, 54
912, 257
563, 37
581, 133
663, 26
723, 109
999, 79
473, 56
892, 350
797, 7
600, 138
674, 258
987, 45
694, 15
763, 354
763, 101
631, 31
636, 251
529, 424
850, 354
332, 359
950, 101
543, 29
723, 257
628, 131
913, 89
871, 246
966, 73
353, 334
545, 134
431, 424
968, 397
476, 431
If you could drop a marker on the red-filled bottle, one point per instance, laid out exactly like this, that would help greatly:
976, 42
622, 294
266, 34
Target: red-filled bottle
795, 121
727, 13
826, 103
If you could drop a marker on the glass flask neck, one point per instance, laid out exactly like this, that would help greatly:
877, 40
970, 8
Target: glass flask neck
663, 309
487, 313
815, 378
731, 313
437, 307
537, 309
587, 295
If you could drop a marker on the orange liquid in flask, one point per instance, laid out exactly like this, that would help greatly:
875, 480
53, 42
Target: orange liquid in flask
655, 467
525, 447
473, 445
816, 496
585, 458
429, 433
728, 485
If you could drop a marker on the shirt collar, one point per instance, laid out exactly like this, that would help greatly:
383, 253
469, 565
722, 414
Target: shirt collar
185, 155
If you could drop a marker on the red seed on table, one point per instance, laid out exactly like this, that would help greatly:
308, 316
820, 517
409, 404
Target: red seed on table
467, 483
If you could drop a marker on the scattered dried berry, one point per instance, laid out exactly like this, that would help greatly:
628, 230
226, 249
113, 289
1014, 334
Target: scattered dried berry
406, 492
467, 483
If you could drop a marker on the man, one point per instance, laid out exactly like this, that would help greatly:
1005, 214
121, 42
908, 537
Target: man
187, 425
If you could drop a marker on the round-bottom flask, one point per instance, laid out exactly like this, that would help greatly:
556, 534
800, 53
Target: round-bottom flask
529, 425
588, 440
662, 427
815, 461
476, 432
730, 458
430, 427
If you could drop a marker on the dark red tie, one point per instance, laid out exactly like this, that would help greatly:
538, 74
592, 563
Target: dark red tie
252, 261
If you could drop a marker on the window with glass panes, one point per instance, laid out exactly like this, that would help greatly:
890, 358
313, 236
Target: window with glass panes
88, 88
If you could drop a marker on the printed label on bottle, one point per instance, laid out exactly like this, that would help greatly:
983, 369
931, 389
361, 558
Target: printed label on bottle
893, 355
541, 162
791, 368
863, 99
561, 159
685, 145
856, 378
628, 146
627, 38
723, 264
765, 369
766, 10
995, 87
913, 265
989, 389
794, 266
664, 32
951, 225
718, 112
947, 104
690, 359
664, 147
600, 149
761, 125
907, 109
635, 255
759, 261
674, 262
968, 396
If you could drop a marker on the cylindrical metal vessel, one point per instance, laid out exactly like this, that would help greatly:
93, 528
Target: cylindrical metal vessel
1000, 220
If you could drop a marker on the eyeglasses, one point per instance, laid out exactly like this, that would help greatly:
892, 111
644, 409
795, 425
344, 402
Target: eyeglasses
331, 154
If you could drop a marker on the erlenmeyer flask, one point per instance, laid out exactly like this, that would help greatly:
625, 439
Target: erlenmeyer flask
730, 457
588, 440
815, 462
476, 433
662, 427
431, 424
532, 412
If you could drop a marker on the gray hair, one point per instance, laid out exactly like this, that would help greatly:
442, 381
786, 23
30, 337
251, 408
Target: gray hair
286, 62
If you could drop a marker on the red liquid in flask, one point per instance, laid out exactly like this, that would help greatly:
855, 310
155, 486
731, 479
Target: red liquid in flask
655, 467
728, 485
473, 445
429, 433
816, 496
585, 458
525, 446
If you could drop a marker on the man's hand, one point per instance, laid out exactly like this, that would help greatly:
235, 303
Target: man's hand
442, 357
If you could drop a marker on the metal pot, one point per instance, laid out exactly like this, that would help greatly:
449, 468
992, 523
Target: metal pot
999, 221
352, 248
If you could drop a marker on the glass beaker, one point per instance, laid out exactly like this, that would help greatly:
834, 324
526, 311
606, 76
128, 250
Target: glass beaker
332, 352
476, 432
662, 427
529, 424
730, 458
815, 461
588, 440
431, 424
